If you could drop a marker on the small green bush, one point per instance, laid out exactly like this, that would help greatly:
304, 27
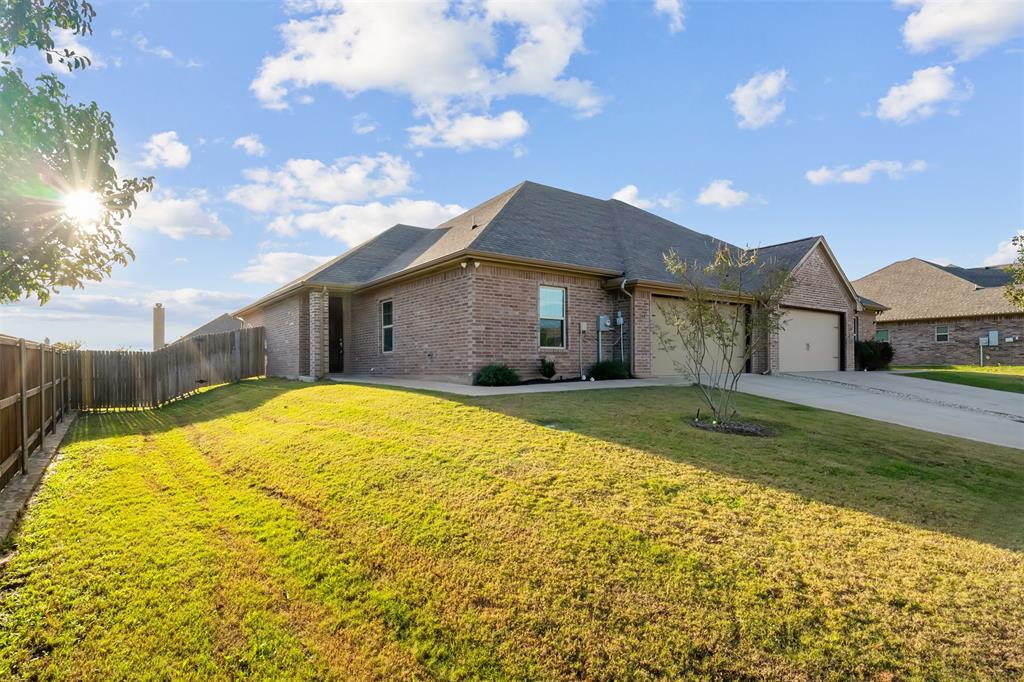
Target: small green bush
610, 369
547, 368
497, 375
873, 355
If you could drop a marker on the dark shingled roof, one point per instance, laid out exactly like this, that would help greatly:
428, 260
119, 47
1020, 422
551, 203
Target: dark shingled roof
218, 325
541, 223
989, 276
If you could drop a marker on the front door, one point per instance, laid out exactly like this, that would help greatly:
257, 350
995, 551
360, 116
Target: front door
336, 356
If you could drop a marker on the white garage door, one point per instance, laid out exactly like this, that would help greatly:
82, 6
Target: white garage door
809, 342
666, 358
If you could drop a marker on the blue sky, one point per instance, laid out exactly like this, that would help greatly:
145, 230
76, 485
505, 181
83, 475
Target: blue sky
280, 135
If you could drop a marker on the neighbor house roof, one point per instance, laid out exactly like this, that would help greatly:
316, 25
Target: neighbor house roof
916, 289
537, 224
222, 323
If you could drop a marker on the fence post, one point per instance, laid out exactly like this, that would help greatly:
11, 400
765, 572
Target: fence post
53, 386
24, 406
42, 395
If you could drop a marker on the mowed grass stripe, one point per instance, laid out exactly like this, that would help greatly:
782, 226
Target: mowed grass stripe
471, 542
469, 477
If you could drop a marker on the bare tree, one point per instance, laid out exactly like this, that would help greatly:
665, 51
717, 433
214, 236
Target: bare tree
731, 309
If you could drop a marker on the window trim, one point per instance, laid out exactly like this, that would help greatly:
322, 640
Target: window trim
856, 327
383, 326
945, 333
888, 336
564, 319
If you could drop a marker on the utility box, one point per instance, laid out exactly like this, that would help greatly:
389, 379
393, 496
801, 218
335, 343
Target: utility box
993, 338
604, 323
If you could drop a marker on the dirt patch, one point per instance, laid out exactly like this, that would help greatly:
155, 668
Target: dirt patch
738, 428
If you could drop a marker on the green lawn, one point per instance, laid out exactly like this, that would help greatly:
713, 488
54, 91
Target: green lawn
275, 530
1008, 378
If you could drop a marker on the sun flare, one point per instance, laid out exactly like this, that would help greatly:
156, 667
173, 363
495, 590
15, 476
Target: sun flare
83, 207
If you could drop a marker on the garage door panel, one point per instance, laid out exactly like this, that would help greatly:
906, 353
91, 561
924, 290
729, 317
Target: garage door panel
810, 341
664, 360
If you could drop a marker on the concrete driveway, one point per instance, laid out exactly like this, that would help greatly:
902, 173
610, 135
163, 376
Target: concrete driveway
965, 411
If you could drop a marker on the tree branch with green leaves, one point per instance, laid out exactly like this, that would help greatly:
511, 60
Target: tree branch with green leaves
61, 201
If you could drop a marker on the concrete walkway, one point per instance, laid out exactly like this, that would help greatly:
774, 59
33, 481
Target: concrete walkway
479, 391
15, 496
964, 411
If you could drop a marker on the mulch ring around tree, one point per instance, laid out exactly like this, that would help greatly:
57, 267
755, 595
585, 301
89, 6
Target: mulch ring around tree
736, 427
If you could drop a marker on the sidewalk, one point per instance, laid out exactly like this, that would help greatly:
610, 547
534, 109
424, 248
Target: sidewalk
14, 497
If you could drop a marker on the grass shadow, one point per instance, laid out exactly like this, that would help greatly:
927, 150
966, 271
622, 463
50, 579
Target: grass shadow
969, 489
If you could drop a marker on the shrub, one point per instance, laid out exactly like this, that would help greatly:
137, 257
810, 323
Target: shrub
610, 369
497, 375
547, 368
873, 355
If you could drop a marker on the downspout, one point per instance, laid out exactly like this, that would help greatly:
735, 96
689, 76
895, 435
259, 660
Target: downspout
632, 324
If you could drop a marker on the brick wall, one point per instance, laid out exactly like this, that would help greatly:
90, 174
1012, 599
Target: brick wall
318, 333
283, 322
431, 328
642, 310
867, 324
914, 342
505, 320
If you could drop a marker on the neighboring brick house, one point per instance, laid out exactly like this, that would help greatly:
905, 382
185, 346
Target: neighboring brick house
936, 314
522, 277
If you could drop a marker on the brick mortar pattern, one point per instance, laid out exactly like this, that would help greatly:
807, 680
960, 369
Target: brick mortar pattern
913, 342
282, 321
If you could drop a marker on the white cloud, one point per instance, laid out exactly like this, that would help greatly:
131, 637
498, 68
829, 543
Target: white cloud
362, 124
630, 194
164, 149
1005, 253
278, 267
299, 184
176, 216
758, 102
895, 170
721, 193
467, 131
917, 98
142, 44
673, 11
447, 58
969, 27
354, 224
251, 144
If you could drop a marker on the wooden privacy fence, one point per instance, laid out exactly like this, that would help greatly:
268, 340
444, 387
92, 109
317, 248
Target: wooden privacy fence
39, 384
34, 397
132, 379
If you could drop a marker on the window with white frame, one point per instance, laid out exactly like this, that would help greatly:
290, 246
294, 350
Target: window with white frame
551, 311
387, 326
942, 333
882, 335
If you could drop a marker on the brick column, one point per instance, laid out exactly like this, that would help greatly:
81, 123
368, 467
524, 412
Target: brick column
318, 338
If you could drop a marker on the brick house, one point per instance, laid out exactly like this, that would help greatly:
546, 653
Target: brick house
936, 314
525, 276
